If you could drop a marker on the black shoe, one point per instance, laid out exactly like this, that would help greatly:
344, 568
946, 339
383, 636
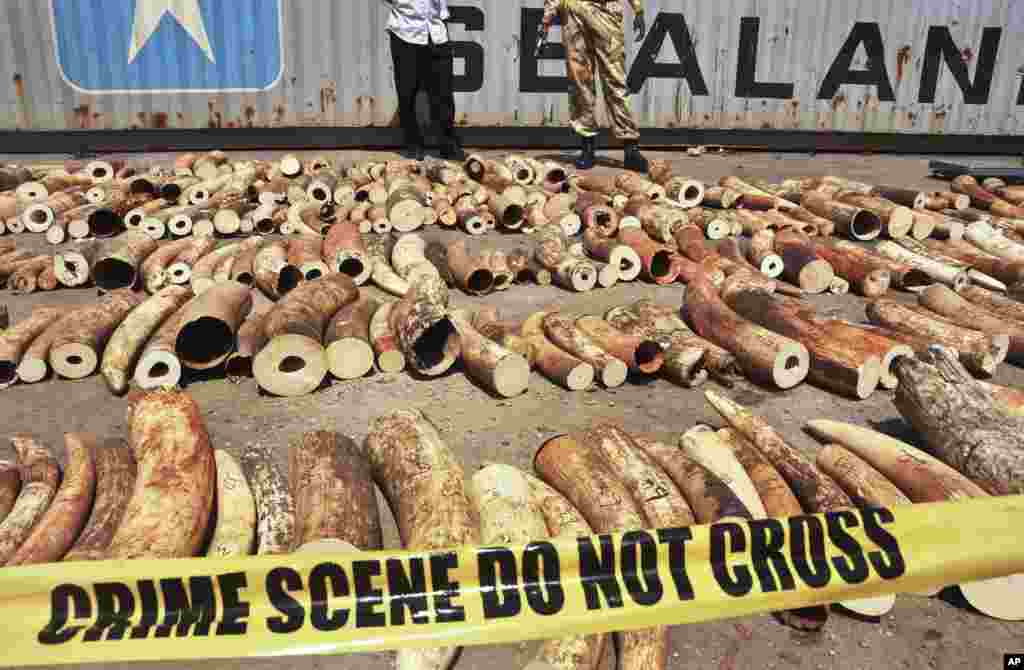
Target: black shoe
413, 152
585, 160
633, 159
452, 151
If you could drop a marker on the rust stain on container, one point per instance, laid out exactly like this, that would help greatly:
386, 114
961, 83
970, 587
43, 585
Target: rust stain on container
793, 109
279, 115
84, 114
250, 114
328, 97
902, 58
159, 119
677, 101
216, 117
19, 86
838, 101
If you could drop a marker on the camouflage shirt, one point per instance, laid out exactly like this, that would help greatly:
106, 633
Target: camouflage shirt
552, 8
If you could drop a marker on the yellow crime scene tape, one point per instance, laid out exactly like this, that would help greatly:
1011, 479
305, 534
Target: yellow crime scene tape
357, 602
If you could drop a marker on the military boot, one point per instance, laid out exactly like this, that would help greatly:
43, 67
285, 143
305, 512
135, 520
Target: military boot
633, 159
585, 160
451, 148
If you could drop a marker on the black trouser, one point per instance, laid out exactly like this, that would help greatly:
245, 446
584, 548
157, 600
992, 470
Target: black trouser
425, 67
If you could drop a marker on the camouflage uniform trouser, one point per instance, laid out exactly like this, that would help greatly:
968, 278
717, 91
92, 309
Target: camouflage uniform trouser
592, 32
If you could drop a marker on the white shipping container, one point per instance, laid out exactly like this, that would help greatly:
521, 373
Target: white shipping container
810, 67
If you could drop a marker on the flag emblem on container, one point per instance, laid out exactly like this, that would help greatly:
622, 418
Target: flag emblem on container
168, 46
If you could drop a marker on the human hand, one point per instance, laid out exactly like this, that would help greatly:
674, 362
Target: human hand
542, 38
639, 26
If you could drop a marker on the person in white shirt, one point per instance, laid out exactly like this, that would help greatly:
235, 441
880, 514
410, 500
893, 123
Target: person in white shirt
422, 58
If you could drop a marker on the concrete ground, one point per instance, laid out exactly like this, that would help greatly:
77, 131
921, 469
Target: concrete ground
919, 633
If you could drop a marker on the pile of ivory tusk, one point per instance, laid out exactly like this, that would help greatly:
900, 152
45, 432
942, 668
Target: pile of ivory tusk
101, 505
580, 231
290, 310
329, 326
308, 329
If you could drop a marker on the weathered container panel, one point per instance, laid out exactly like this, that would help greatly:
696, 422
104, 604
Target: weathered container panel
867, 66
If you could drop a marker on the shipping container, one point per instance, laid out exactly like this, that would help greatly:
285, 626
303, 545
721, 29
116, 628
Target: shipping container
921, 75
